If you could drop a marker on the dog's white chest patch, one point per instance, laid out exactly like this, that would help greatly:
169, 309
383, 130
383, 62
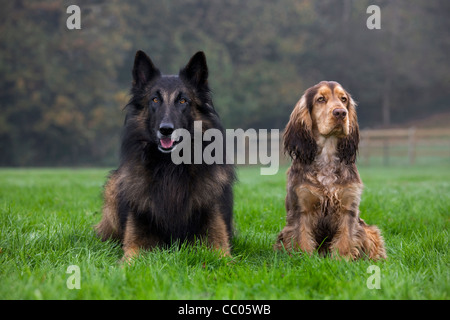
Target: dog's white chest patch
327, 163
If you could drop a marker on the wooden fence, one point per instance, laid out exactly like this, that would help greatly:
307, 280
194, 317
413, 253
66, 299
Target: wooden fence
405, 146
409, 146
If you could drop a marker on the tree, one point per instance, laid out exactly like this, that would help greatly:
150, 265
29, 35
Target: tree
62, 91
57, 97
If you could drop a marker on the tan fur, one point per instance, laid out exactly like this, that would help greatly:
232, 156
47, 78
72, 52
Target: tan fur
324, 190
218, 236
136, 239
327, 125
109, 226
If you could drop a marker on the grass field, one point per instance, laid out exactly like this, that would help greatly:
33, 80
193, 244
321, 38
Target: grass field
46, 219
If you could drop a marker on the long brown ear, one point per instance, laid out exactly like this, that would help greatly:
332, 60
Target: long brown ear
348, 146
298, 137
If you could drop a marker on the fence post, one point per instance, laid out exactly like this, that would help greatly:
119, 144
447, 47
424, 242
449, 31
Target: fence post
366, 146
412, 145
386, 152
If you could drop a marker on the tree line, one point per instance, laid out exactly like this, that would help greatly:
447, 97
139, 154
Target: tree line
62, 91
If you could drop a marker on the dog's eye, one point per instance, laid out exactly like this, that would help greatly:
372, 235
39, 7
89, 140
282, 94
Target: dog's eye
182, 101
155, 100
321, 99
344, 99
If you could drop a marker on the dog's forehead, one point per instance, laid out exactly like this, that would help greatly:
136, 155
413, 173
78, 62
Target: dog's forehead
327, 88
324, 90
168, 84
169, 81
338, 90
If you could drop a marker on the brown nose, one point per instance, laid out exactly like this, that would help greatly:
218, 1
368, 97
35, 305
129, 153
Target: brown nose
340, 113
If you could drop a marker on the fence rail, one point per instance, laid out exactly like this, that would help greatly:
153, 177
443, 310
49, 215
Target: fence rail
405, 146
408, 146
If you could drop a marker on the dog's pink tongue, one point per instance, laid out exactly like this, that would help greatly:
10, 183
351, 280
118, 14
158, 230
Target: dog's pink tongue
166, 143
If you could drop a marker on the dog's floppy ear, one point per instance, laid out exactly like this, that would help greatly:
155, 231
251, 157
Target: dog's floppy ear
143, 70
298, 138
348, 146
196, 71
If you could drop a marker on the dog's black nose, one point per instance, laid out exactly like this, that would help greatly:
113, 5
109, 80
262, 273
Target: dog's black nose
166, 128
340, 113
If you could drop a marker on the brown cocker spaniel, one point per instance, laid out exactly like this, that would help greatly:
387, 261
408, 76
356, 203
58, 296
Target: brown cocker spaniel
323, 184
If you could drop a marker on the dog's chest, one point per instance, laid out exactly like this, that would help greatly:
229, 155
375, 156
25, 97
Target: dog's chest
328, 187
326, 181
327, 172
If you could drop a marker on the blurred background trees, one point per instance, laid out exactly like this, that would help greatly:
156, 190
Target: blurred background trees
62, 91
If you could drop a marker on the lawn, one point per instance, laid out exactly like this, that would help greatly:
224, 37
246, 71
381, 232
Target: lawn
46, 219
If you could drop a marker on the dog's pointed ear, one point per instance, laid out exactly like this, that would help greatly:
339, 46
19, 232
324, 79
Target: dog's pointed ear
196, 71
143, 70
298, 138
348, 146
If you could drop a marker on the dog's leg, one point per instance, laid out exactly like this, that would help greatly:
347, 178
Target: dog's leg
342, 244
297, 235
355, 238
307, 217
109, 226
217, 234
135, 239
345, 242
373, 245
305, 238
301, 213
286, 239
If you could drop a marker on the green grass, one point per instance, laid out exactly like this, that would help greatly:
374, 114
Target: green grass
46, 219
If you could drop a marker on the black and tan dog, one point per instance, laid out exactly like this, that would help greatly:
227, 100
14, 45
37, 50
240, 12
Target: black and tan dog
150, 201
323, 183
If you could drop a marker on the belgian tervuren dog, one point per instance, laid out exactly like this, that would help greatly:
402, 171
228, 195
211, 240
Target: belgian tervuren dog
149, 200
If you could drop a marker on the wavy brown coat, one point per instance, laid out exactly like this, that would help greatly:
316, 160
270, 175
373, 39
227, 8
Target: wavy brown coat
323, 184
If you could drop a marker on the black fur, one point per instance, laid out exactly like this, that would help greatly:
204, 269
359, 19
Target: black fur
167, 202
